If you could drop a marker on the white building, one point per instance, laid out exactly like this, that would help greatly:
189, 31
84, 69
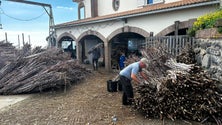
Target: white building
122, 24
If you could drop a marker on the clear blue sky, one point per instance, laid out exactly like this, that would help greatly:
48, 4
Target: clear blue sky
32, 20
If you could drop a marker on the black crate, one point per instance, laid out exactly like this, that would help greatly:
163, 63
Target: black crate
112, 86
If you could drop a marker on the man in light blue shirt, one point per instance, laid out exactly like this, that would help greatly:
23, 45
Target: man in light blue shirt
128, 74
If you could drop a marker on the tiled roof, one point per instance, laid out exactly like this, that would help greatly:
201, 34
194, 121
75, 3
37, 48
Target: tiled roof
148, 8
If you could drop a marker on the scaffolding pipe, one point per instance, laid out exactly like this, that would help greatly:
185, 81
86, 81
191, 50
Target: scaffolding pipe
51, 36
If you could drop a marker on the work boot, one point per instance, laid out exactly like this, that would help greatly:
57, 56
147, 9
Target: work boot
130, 101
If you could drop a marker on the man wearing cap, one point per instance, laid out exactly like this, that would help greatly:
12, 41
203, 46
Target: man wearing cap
127, 75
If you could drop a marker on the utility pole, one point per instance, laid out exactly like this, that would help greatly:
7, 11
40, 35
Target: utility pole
23, 39
29, 39
6, 37
18, 42
48, 9
0, 16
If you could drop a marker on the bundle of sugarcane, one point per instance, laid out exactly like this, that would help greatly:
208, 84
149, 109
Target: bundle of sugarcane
157, 58
49, 69
8, 53
186, 56
178, 90
193, 96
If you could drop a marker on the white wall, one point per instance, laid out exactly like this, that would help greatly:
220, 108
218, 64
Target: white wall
105, 8
87, 4
158, 22
169, 1
150, 23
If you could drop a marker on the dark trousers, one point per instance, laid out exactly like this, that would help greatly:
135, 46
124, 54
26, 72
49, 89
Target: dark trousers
128, 95
95, 64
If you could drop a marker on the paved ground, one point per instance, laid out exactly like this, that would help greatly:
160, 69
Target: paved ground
7, 101
85, 103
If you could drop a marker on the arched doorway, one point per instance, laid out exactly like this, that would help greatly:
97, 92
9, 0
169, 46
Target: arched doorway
68, 45
127, 43
127, 39
85, 44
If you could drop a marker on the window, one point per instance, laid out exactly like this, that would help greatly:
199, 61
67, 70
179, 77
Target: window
81, 11
149, 1
154, 1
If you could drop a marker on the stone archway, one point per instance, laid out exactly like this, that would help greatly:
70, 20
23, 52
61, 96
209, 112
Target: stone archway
90, 33
59, 42
172, 28
122, 30
128, 29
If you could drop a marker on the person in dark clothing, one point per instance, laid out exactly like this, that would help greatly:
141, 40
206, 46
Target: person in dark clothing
95, 58
70, 50
127, 75
122, 60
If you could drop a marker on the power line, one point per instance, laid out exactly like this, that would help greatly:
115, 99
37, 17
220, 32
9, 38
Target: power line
19, 19
48, 10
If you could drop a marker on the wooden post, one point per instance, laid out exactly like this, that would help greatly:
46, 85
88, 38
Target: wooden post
176, 28
18, 42
177, 24
23, 40
6, 38
29, 39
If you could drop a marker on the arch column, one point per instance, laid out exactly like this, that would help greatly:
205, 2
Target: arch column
78, 56
107, 55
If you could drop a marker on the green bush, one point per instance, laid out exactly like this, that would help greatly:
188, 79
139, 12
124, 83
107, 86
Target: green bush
205, 22
219, 29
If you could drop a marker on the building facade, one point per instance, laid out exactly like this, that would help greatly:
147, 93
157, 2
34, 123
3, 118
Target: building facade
122, 25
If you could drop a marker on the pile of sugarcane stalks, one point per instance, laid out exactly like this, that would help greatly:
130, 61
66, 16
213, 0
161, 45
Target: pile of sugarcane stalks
192, 96
37, 72
178, 90
157, 58
7, 53
187, 56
